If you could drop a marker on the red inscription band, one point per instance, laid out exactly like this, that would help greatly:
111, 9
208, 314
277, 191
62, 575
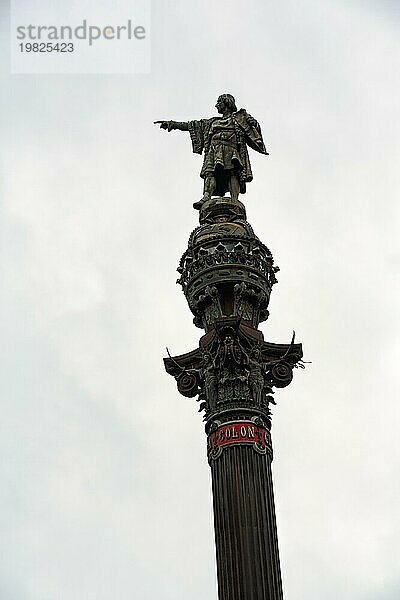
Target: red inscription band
241, 432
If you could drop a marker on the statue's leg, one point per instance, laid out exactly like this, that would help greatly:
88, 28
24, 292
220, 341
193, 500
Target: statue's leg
210, 185
234, 186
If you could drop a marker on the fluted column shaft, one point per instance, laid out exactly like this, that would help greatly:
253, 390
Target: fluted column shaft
246, 539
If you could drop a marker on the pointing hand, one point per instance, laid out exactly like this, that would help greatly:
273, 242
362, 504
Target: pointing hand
163, 124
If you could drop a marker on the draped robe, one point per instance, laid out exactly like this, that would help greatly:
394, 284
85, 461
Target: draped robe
224, 141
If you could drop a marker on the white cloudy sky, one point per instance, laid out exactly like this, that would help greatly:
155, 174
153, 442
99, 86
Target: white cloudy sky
105, 485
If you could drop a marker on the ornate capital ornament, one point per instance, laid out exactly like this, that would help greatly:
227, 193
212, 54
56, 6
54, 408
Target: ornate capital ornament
227, 275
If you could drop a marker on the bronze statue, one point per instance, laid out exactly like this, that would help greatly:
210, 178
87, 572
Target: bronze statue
226, 165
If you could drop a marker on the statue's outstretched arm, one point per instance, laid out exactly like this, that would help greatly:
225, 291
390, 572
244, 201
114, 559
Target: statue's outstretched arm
170, 125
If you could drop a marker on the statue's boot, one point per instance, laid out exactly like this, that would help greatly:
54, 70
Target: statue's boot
199, 204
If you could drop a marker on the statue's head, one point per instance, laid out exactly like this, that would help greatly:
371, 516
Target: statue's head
226, 101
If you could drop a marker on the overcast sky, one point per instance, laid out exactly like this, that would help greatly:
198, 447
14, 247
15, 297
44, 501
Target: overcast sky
105, 484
